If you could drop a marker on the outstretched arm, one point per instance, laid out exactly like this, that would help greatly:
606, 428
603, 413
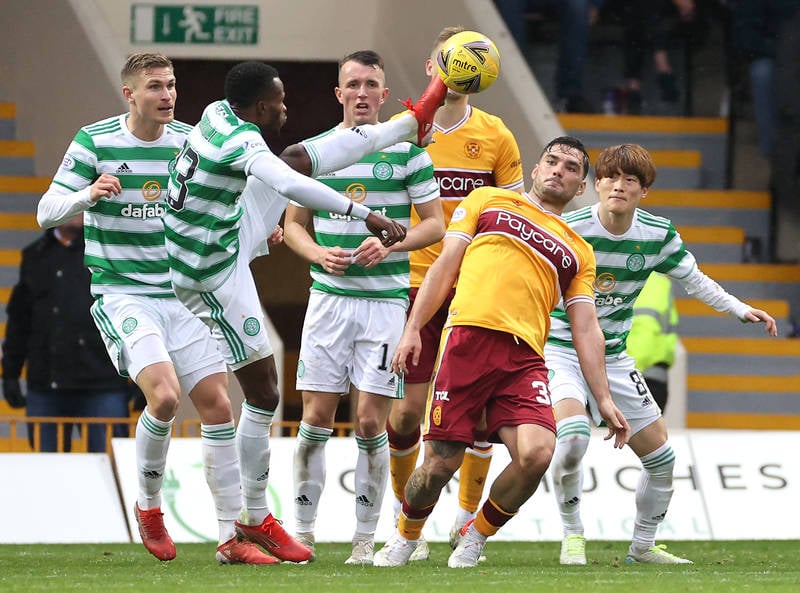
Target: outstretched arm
344, 147
703, 288
317, 196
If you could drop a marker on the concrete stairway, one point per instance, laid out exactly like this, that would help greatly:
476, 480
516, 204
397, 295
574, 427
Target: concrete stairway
19, 194
690, 152
738, 377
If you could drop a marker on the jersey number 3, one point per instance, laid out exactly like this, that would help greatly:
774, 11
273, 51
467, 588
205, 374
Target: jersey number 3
185, 166
540, 387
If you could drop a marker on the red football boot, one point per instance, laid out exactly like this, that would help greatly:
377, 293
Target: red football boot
154, 535
235, 551
425, 107
271, 536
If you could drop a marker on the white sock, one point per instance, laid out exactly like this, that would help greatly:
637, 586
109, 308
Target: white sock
653, 494
221, 468
252, 442
341, 148
463, 516
152, 442
397, 506
372, 474
572, 441
309, 474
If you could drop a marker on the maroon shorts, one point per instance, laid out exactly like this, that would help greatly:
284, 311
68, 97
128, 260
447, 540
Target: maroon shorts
431, 335
486, 369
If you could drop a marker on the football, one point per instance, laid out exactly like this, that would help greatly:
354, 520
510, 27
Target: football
468, 62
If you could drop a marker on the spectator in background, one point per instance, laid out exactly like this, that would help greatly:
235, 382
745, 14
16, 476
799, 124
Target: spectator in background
653, 336
574, 16
50, 327
755, 26
785, 154
645, 32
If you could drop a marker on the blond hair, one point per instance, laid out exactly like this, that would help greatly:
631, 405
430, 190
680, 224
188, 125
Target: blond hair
141, 62
444, 35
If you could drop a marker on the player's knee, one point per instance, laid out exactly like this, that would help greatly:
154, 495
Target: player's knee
404, 420
368, 427
571, 450
215, 411
438, 471
264, 401
534, 464
318, 417
162, 400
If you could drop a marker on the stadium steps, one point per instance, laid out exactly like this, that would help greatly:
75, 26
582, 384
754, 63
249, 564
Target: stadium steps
696, 319
748, 210
19, 193
8, 124
717, 244
676, 168
16, 157
18, 227
758, 281
738, 377
743, 382
706, 136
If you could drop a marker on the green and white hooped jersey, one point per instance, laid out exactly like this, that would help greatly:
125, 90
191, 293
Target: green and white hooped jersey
201, 223
124, 234
624, 263
389, 182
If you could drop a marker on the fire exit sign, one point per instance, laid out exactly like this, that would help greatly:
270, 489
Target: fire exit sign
221, 24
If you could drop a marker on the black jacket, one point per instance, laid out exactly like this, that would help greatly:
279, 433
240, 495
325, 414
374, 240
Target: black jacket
49, 325
756, 24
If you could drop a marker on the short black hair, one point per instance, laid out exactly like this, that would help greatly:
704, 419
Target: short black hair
247, 82
572, 142
365, 57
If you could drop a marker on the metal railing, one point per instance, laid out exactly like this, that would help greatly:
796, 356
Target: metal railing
23, 434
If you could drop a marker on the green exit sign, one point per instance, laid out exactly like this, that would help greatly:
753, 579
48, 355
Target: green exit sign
221, 24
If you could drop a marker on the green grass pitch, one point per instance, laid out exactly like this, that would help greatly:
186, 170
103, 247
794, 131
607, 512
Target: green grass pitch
724, 567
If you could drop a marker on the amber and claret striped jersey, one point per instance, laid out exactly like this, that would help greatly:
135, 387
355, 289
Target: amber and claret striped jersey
478, 151
520, 263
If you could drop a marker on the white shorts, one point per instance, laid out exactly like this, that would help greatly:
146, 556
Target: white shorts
168, 330
628, 387
234, 315
350, 340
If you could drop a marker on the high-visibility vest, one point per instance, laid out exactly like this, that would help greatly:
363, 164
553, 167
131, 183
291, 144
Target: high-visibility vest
653, 336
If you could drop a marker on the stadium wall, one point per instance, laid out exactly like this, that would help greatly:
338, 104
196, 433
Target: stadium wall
725, 488
62, 57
